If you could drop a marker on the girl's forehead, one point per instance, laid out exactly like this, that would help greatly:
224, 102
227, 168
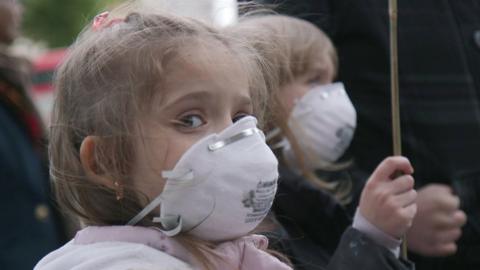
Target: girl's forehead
202, 68
209, 59
207, 52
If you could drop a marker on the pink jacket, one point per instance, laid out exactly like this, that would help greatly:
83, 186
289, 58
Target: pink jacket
247, 252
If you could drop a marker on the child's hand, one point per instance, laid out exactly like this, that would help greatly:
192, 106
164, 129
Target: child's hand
388, 202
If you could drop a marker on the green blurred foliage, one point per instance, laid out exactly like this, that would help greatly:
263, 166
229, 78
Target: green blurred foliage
58, 22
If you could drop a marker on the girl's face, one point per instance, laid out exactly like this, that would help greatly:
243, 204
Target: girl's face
203, 92
320, 74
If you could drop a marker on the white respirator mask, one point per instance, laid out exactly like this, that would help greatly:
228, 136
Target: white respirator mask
323, 122
222, 187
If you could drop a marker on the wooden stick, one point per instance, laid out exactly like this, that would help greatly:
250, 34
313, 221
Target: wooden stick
395, 96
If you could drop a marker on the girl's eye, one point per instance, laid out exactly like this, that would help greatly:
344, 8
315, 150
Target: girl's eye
239, 116
191, 121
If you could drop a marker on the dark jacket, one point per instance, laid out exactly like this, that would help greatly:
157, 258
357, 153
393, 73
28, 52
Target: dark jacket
307, 212
317, 231
439, 64
29, 227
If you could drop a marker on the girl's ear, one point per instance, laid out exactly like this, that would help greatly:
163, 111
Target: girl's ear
87, 158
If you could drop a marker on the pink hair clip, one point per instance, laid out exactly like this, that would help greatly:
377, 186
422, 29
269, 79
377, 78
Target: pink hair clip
100, 21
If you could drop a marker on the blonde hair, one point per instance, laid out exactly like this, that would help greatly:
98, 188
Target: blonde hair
291, 47
108, 79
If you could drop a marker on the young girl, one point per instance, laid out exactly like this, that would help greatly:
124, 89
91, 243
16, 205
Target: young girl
311, 125
155, 149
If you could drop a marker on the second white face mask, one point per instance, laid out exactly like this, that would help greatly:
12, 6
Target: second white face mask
323, 122
221, 188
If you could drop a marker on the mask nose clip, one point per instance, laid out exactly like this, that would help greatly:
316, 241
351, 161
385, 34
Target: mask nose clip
237, 137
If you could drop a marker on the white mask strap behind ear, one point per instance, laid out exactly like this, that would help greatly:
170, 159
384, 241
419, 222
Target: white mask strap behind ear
172, 223
149, 208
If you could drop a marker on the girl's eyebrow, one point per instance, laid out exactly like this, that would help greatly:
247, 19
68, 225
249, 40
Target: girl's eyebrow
202, 96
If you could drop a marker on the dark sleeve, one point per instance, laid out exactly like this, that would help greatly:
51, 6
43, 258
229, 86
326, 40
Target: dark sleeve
307, 212
302, 252
357, 251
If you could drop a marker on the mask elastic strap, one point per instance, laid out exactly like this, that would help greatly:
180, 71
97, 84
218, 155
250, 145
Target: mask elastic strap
280, 145
272, 134
186, 175
172, 223
149, 208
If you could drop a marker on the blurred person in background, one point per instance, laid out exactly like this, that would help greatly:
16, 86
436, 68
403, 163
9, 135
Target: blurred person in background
30, 228
439, 64
311, 123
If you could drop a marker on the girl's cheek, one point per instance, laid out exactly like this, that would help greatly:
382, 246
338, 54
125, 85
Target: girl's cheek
176, 148
290, 95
